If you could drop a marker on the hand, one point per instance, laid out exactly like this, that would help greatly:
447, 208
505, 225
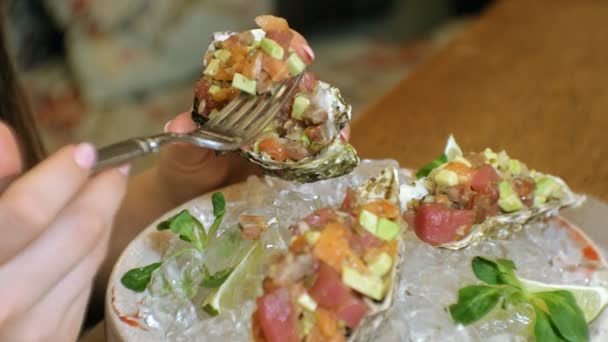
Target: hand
186, 171
56, 222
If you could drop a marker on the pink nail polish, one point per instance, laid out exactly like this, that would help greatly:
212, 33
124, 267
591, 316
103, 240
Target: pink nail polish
165, 129
124, 169
85, 155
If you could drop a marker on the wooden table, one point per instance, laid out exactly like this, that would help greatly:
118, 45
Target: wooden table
530, 77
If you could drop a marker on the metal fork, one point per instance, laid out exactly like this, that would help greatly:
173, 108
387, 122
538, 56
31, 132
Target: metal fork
237, 123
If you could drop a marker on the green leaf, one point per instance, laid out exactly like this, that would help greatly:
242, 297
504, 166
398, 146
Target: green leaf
137, 279
474, 302
219, 204
424, 171
165, 225
217, 279
565, 314
210, 310
499, 272
485, 270
544, 331
505, 265
187, 227
219, 210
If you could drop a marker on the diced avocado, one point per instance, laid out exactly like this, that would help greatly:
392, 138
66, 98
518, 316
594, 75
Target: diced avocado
312, 236
502, 161
253, 46
307, 322
212, 68
546, 187
369, 285
539, 200
243, 83
295, 64
307, 302
272, 48
514, 167
508, 200
368, 221
304, 139
214, 89
446, 178
256, 146
380, 265
300, 103
491, 156
387, 229
222, 55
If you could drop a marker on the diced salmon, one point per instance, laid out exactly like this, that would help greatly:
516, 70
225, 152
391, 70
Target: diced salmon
333, 248
270, 22
382, 208
274, 148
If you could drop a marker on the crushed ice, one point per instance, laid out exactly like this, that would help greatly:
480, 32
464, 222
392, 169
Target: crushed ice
430, 277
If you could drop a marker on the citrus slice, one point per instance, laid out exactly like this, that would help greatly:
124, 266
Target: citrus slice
591, 299
243, 284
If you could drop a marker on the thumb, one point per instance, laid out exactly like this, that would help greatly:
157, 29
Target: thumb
186, 171
10, 156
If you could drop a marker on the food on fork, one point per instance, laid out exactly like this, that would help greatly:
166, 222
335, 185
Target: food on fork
303, 143
460, 199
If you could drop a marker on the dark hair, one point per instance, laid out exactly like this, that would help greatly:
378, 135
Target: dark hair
15, 109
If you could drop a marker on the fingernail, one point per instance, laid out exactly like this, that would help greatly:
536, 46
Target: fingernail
166, 128
124, 169
85, 155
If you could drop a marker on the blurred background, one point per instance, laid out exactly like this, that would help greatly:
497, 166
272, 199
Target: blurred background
105, 70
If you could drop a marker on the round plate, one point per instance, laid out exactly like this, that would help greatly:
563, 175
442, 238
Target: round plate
122, 304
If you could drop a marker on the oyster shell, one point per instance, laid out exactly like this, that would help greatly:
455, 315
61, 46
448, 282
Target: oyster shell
334, 159
502, 225
385, 186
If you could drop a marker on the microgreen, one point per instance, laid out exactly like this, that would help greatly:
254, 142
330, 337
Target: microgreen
558, 316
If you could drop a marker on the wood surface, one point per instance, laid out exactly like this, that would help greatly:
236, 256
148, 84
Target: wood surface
530, 77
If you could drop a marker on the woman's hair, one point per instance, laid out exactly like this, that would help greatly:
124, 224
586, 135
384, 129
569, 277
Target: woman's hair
15, 109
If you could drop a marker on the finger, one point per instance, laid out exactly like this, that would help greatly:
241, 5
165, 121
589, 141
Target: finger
10, 157
32, 202
345, 134
189, 168
67, 241
185, 155
69, 296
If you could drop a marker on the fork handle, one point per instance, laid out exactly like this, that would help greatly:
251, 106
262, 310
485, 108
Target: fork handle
127, 150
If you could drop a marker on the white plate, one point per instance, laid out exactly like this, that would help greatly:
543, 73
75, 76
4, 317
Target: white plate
147, 247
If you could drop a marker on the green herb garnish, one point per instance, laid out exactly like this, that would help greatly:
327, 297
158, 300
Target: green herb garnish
189, 229
219, 210
558, 316
212, 281
424, 171
138, 278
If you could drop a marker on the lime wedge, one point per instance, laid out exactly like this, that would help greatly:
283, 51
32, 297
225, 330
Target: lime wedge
243, 284
591, 299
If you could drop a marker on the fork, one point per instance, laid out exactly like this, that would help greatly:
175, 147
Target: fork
241, 120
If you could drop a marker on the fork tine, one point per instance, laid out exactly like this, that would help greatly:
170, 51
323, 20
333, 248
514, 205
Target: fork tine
242, 111
270, 113
226, 111
252, 115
